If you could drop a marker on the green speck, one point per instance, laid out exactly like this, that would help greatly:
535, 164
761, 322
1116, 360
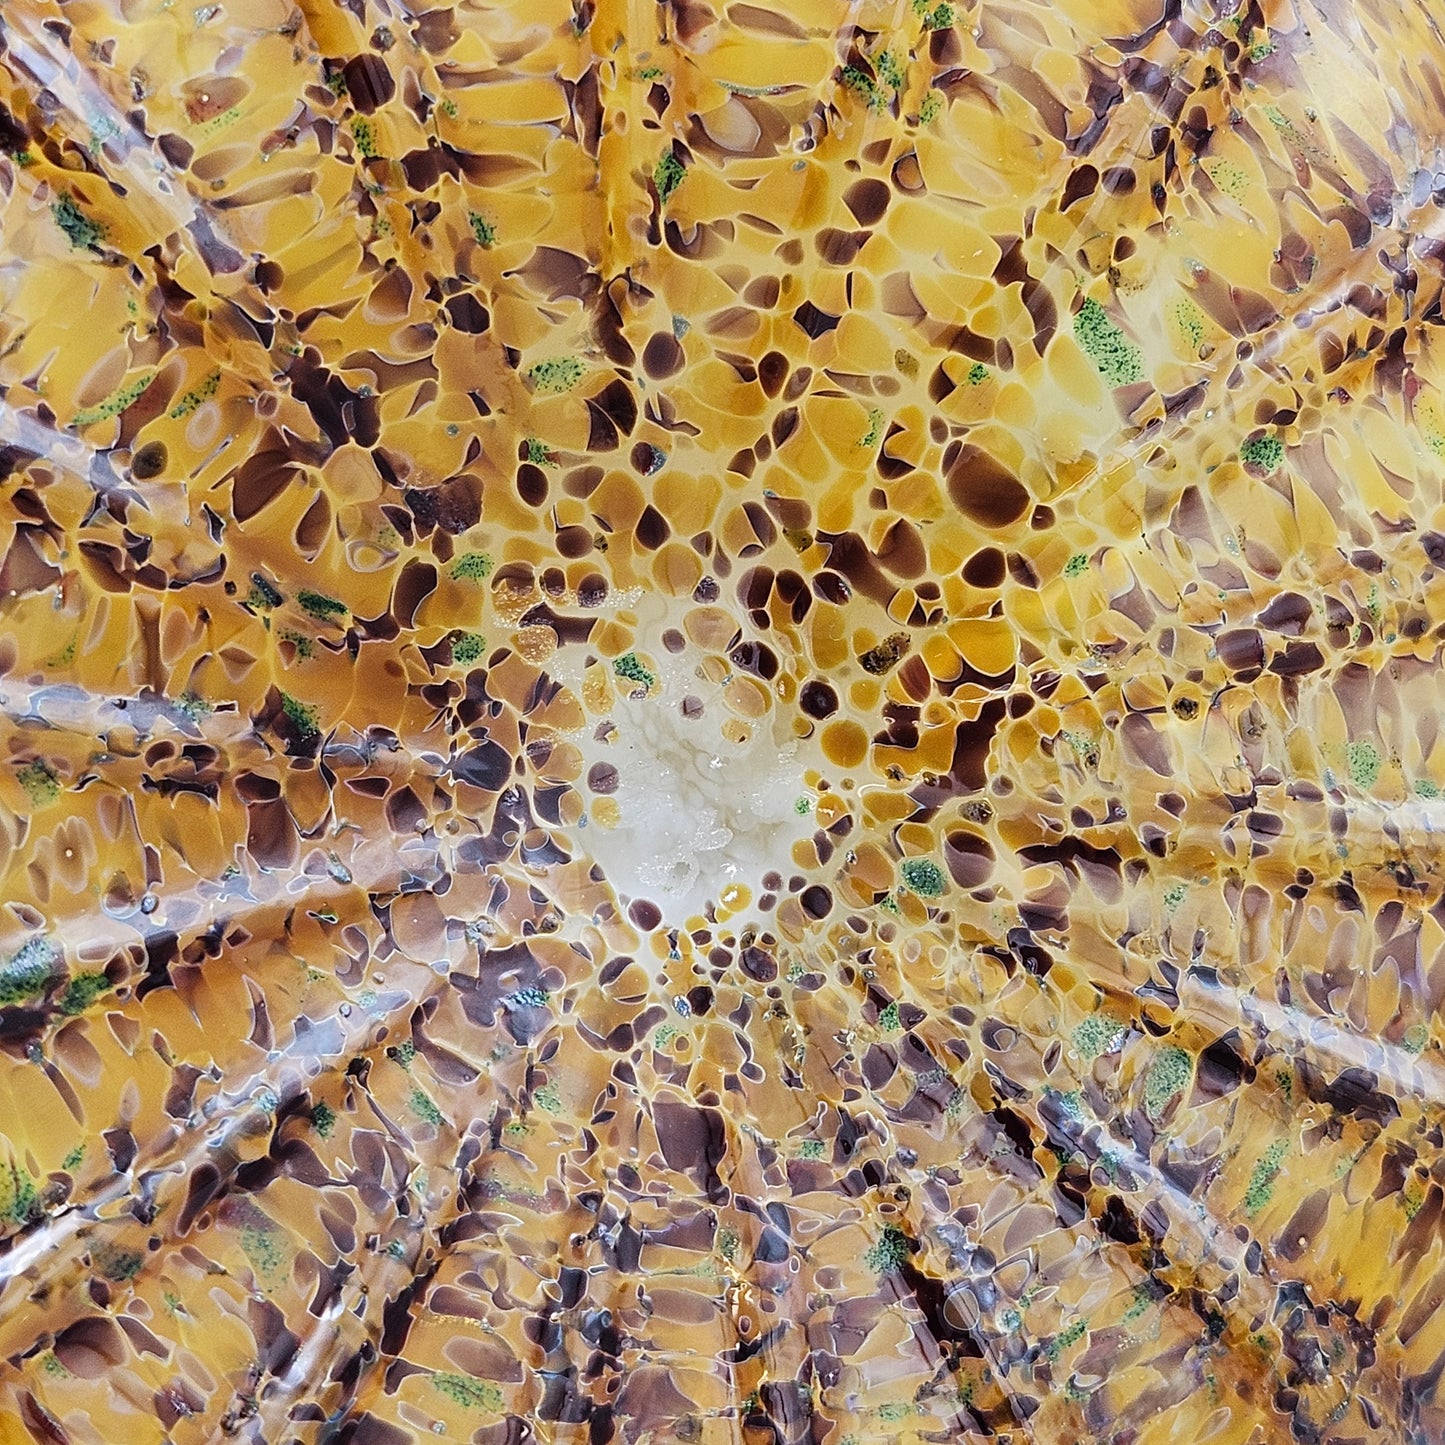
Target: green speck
1098, 1034
1413, 1201
668, 174
1118, 361
193, 706
531, 998
82, 232
1066, 1337
627, 666
40, 782
365, 138
549, 1097
1144, 1295
1174, 895
928, 112
560, 374
19, 1199
82, 991
727, 1242
1084, 746
302, 715
198, 394
890, 69
423, 1107
263, 593
1263, 453
66, 655
403, 1053
888, 1251
1169, 1074
978, 373
680, 327
298, 640
810, 1149
895, 1410
664, 1035
1230, 177
889, 904
319, 605
1364, 760
863, 85
323, 1119
263, 1246
923, 876
1190, 321
467, 1392
1260, 49
467, 647
72, 1160
803, 806
538, 454
875, 428
27, 971
52, 1366
650, 72
118, 1265
1415, 1039
482, 229
115, 403
888, 1019
472, 567
1077, 565
939, 18
229, 116
1266, 1171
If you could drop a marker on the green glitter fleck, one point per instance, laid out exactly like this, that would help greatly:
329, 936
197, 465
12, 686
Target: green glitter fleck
810, 1149
538, 454
1266, 1171
862, 84
668, 175
888, 1251
1174, 895
66, 655
193, 706
423, 1107
80, 230
403, 1053
72, 1160
549, 1097
115, 403
299, 641
890, 69
923, 876
978, 373
1263, 453
263, 593
119, 1265
1413, 1201
482, 229
319, 605
1260, 49
52, 1366
727, 1242
939, 18
263, 1246
467, 1392
472, 567
1364, 760
928, 112
302, 715
664, 1036
627, 666
875, 428
1098, 1034
1415, 1039
19, 1199
82, 991
1143, 1298
803, 806
1077, 565
888, 1019
560, 374
889, 904
1066, 1337
229, 116
1231, 178
468, 647
1169, 1074
531, 998
1190, 321
323, 1119
895, 1410
1084, 746
40, 782
650, 72
193, 398
1424, 788
365, 138
1117, 360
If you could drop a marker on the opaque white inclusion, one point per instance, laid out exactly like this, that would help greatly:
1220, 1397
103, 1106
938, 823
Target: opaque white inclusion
698, 812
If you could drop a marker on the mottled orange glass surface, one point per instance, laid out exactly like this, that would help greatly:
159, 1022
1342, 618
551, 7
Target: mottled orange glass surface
721, 722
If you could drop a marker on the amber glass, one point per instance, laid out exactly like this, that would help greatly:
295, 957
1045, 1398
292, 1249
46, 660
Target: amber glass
721, 722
